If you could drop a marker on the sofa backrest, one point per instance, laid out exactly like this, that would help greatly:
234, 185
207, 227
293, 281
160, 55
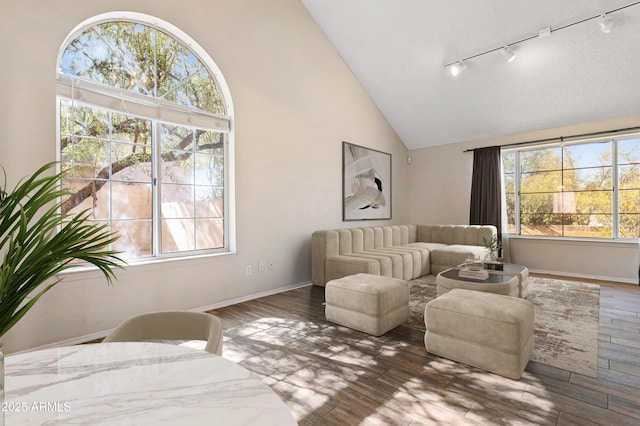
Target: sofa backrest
473, 235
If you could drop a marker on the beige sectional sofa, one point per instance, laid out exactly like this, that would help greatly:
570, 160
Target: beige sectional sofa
399, 251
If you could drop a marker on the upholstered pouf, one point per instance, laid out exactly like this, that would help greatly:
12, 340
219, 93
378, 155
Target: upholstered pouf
369, 303
489, 331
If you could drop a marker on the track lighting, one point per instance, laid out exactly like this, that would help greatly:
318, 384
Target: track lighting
508, 54
458, 68
606, 23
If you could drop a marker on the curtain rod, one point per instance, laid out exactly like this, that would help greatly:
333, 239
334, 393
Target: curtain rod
560, 138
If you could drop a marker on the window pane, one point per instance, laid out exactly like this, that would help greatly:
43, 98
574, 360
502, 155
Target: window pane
511, 218
117, 54
209, 201
92, 195
536, 203
509, 183
564, 202
177, 201
541, 182
177, 235
588, 225
629, 151
187, 82
585, 179
86, 158
541, 159
177, 154
541, 224
629, 176
131, 163
131, 201
135, 237
509, 162
587, 155
594, 202
630, 225
209, 170
209, 233
629, 201
177, 167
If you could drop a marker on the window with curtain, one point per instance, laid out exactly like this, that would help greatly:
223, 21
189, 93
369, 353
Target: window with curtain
143, 137
582, 189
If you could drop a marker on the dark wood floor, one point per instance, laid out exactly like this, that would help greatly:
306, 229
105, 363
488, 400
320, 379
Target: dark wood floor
331, 375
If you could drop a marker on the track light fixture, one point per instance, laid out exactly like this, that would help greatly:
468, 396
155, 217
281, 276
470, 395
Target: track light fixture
606, 26
508, 53
457, 68
606, 23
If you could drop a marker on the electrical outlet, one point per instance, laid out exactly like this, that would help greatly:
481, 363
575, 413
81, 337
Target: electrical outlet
261, 266
271, 265
248, 269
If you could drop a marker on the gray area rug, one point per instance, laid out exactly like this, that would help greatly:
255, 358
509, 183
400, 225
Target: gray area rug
566, 320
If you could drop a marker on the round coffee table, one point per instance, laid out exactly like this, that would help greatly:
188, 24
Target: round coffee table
496, 283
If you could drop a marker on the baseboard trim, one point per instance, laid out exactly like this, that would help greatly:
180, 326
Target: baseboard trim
101, 334
252, 297
583, 276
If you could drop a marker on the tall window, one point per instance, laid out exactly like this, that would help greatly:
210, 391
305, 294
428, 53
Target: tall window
143, 138
581, 189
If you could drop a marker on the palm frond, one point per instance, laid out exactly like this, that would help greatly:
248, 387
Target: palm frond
37, 243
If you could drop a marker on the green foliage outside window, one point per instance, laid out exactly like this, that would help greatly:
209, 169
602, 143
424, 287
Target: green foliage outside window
570, 190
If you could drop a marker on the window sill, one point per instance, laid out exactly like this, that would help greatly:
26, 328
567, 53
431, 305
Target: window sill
577, 241
140, 265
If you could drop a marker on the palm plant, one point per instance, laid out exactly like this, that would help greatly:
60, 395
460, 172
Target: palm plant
37, 242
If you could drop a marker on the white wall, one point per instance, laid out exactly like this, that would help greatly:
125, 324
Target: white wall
440, 187
295, 102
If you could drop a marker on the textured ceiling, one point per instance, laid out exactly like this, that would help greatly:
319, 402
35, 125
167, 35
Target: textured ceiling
398, 48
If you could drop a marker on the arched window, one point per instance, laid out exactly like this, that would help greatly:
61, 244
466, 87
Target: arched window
144, 135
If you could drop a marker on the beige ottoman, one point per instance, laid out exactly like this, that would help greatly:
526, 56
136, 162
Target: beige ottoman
369, 303
489, 331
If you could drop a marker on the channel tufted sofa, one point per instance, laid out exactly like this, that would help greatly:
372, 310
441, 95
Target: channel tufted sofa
398, 251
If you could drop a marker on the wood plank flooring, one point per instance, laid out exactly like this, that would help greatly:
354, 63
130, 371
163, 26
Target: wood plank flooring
331, 375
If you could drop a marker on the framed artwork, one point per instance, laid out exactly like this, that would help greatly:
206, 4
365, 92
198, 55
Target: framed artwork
366, 183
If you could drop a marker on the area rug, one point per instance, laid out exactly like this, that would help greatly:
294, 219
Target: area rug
566, 320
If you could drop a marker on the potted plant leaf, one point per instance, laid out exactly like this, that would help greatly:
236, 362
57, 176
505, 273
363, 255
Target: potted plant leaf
37, 242
493, 245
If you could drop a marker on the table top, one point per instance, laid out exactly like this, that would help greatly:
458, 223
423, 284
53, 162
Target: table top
509, 268
494, 278
135, 383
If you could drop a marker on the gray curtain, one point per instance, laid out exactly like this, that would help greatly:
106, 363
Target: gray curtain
486, 192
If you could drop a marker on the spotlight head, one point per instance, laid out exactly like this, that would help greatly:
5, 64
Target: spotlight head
458, 68
606, 23
508, 54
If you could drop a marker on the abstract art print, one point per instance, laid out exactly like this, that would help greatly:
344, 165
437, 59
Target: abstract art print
366, 183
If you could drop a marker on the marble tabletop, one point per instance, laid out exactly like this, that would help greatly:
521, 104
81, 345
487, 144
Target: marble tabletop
135, 383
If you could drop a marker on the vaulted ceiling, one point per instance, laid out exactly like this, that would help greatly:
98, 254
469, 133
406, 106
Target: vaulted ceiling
398, 50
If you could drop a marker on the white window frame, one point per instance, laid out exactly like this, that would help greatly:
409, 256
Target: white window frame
158, 110
614, 177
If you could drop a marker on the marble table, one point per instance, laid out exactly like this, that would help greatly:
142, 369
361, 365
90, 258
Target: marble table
135, 383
